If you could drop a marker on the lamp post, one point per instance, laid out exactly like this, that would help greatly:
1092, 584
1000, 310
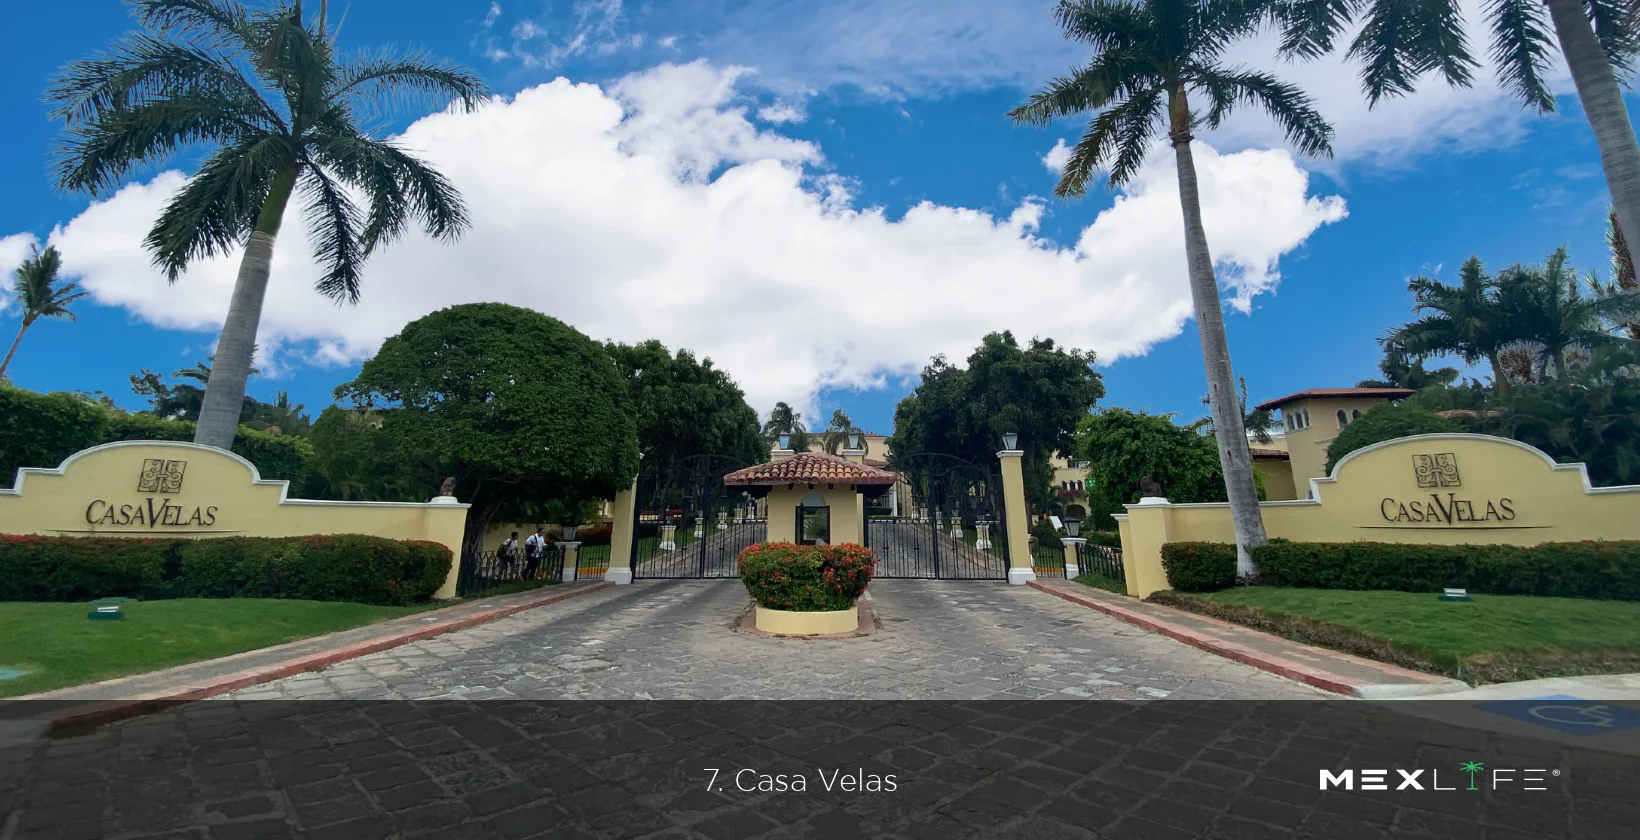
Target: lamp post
1073, 547
785, 441
571, 552
1010, 441
856, 441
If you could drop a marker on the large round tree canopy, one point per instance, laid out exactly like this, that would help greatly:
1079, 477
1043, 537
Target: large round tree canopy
504, 395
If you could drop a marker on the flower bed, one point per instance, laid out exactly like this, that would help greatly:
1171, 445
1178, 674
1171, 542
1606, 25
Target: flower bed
806, 589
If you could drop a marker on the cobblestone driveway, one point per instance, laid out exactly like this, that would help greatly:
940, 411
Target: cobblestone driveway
673, 640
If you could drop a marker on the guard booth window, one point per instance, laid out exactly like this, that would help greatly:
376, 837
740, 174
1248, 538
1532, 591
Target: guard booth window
813, 521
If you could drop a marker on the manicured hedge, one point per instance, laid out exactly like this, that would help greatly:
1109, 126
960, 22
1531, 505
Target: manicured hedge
1199, 566
344, 567
1599, 570
806, 578
40, 430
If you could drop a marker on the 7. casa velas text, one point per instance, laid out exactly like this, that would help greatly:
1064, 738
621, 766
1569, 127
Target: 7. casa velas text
1448, 511
150, 512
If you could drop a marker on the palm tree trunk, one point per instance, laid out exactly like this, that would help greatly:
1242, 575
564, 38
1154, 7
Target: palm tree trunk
1602, 98
1228, 426
5, 365
1498, 377
225, 391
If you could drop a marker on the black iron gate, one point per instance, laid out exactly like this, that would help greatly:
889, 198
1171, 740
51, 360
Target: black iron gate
690, 525
949, 525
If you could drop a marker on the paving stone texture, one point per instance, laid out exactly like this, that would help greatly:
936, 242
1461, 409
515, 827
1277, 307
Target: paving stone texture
481, 763
672, 640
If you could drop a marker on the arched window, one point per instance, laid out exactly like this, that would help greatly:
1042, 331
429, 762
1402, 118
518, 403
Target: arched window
1354, 415
1343, 419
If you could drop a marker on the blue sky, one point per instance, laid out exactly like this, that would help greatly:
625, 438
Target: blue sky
744, 179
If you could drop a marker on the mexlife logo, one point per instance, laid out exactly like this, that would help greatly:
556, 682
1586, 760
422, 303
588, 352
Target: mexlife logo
1500, 778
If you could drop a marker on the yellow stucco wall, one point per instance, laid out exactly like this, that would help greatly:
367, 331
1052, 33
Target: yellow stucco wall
1308, 447
1278, 479
1501, 491
103, 491
846, 523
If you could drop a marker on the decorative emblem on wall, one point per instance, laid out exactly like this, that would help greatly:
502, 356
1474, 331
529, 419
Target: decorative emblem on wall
161, 476
1436, 470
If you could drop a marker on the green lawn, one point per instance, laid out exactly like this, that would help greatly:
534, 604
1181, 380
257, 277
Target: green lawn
58, 646
1506, 634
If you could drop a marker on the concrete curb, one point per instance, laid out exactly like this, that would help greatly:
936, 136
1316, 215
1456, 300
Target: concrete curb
1407, 683
97, 713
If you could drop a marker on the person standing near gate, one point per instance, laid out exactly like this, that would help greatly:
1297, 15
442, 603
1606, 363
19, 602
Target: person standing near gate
532, 552
509, 552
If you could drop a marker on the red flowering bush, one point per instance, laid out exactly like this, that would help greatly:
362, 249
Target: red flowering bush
806, 578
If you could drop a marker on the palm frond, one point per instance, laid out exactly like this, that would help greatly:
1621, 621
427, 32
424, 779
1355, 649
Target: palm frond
1617, 25
97, 156
217, 208
222, 23
1104, 24
142, 68
1310, 28
1289, 106
1401, 39
333, 225
1104, 143
1521, 42
1213, 26
1139, 118
416, 80
1065, 96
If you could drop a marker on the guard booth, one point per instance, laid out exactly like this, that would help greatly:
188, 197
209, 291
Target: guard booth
814, 498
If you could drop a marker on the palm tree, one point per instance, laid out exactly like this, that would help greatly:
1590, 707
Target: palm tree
1399, 41
783, 420
1552, 316
278, 111
836, 435
1150, 57
36, 288
1465, 320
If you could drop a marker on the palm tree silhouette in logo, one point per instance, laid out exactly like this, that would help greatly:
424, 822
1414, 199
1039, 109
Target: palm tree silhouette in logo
1471, 768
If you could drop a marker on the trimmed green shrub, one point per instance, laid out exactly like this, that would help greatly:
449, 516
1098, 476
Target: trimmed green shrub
1046, 535
806, 578
41, 430
1596, 570
1108, 539
595, 536
1199, 566
1386, 422
345, 567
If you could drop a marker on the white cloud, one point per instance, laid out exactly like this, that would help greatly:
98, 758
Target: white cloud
784, 111
656, 209
1057, 157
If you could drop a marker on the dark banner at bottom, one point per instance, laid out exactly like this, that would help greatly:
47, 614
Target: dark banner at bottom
724, 769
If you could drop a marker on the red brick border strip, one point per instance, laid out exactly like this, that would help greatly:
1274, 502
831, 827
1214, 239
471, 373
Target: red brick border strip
97, 713
1263, 660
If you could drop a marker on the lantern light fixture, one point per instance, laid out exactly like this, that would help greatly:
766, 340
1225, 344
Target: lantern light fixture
1010, 441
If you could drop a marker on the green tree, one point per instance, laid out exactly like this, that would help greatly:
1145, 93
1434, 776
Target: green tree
836, 434
1403, 371
686, 407
182, 401
1123, 446
354, 461
1399, 41
276, 111
36, 288
784, 421
1150, 58
1466, 320
1386, 422
1548, 313
514, 405
1589, 416
1039, 391
281, 417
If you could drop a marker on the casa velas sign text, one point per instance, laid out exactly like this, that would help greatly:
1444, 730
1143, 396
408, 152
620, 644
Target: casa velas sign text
158, 481
1444, 507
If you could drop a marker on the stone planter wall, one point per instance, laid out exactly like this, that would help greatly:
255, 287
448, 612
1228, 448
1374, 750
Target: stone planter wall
788, 623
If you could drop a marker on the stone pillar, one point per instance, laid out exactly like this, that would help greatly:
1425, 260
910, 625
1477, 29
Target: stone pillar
446, 523
1013, 507
858, 456
984, 540
1144, 532
621, 537
700, 525
669, 538
1073, 553
723, 521
572, 556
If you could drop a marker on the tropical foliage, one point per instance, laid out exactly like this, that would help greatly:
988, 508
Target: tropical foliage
1386, 422
784, 421
686, 407
1152, 59
835, 438
514, 405
36, 289
1039, 391
277, 111
1122, 446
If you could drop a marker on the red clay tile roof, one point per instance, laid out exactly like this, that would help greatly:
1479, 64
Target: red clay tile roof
810, 468
1337, 393
1275, 454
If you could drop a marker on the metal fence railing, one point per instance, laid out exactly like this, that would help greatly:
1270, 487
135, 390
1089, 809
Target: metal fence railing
591, 561
1048, 560
1102, 560
487, 571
